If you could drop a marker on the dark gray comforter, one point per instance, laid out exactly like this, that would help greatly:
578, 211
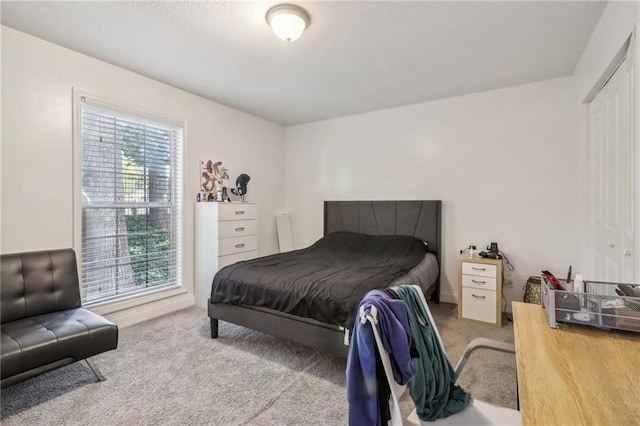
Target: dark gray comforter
327, 280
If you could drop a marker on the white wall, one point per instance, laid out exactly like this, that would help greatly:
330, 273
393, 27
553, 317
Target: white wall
37, 164
503, 163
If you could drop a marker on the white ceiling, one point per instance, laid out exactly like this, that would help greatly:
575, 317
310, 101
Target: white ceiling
354, 57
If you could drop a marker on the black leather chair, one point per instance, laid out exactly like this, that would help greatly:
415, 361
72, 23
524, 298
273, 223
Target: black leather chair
43, 325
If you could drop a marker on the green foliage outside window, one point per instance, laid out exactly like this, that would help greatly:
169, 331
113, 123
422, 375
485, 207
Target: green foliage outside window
147, 241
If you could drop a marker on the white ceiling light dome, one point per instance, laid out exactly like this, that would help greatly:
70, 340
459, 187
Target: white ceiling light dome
287, 21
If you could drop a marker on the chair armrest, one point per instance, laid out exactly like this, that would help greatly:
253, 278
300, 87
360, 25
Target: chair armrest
482, 343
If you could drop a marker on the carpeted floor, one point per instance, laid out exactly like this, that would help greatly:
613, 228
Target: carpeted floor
169, 372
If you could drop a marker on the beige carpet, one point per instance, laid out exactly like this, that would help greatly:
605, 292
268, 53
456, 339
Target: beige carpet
169, 372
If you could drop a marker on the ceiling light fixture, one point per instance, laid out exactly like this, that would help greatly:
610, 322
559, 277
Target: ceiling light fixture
287, 21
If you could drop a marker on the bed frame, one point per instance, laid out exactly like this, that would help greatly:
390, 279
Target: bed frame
420, 219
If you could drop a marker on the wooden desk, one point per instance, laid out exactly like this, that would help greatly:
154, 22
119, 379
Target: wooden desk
575, 376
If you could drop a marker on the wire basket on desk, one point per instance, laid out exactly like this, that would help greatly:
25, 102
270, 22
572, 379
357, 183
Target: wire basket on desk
602, 304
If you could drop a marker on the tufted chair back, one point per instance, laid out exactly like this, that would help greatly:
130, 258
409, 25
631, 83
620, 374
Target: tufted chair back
37, 283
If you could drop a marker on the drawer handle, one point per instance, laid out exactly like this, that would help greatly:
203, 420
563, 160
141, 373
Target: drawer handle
478, 282
239, 211
239, 229
478, 269
239, 245
479, 297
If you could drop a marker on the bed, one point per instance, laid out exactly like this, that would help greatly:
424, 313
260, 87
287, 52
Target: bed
310, 296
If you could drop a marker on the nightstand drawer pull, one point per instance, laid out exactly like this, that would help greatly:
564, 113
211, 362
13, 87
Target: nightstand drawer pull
239, 245
239, 229
239, 211
478, 269
479, 297
478, 282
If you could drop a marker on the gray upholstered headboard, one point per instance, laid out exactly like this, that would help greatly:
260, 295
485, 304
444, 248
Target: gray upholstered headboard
420, 219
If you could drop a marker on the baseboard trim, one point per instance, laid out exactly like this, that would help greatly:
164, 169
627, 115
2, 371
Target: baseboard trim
147, 311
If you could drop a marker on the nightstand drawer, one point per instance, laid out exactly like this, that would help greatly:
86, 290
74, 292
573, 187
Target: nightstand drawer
237, 245
480, 269
479, 305
236, 211
474, 281
237, 228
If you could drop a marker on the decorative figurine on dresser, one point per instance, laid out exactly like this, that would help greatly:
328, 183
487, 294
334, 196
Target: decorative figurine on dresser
241, 186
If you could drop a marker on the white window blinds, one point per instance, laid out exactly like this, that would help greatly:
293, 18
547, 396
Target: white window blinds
131, 203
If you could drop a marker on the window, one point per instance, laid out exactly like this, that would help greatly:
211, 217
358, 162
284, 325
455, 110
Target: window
131, 184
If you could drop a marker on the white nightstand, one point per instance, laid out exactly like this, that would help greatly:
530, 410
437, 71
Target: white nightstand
480, 290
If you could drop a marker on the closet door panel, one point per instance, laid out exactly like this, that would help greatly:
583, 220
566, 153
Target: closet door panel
611, 204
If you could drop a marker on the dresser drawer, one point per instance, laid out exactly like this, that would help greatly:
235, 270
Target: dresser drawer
237, 245
233, 258
237, 228
479, 269
474, 281
236, 211
479, 305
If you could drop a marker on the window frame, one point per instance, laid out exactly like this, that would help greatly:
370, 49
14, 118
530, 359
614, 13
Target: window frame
127, 300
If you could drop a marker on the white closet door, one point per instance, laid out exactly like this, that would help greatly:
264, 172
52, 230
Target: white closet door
630, 272
611, 187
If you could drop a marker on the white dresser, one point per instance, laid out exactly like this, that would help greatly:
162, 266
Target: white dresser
480, 290
225, 233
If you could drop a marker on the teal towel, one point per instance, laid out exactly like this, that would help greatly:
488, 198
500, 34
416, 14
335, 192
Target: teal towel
433, 388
